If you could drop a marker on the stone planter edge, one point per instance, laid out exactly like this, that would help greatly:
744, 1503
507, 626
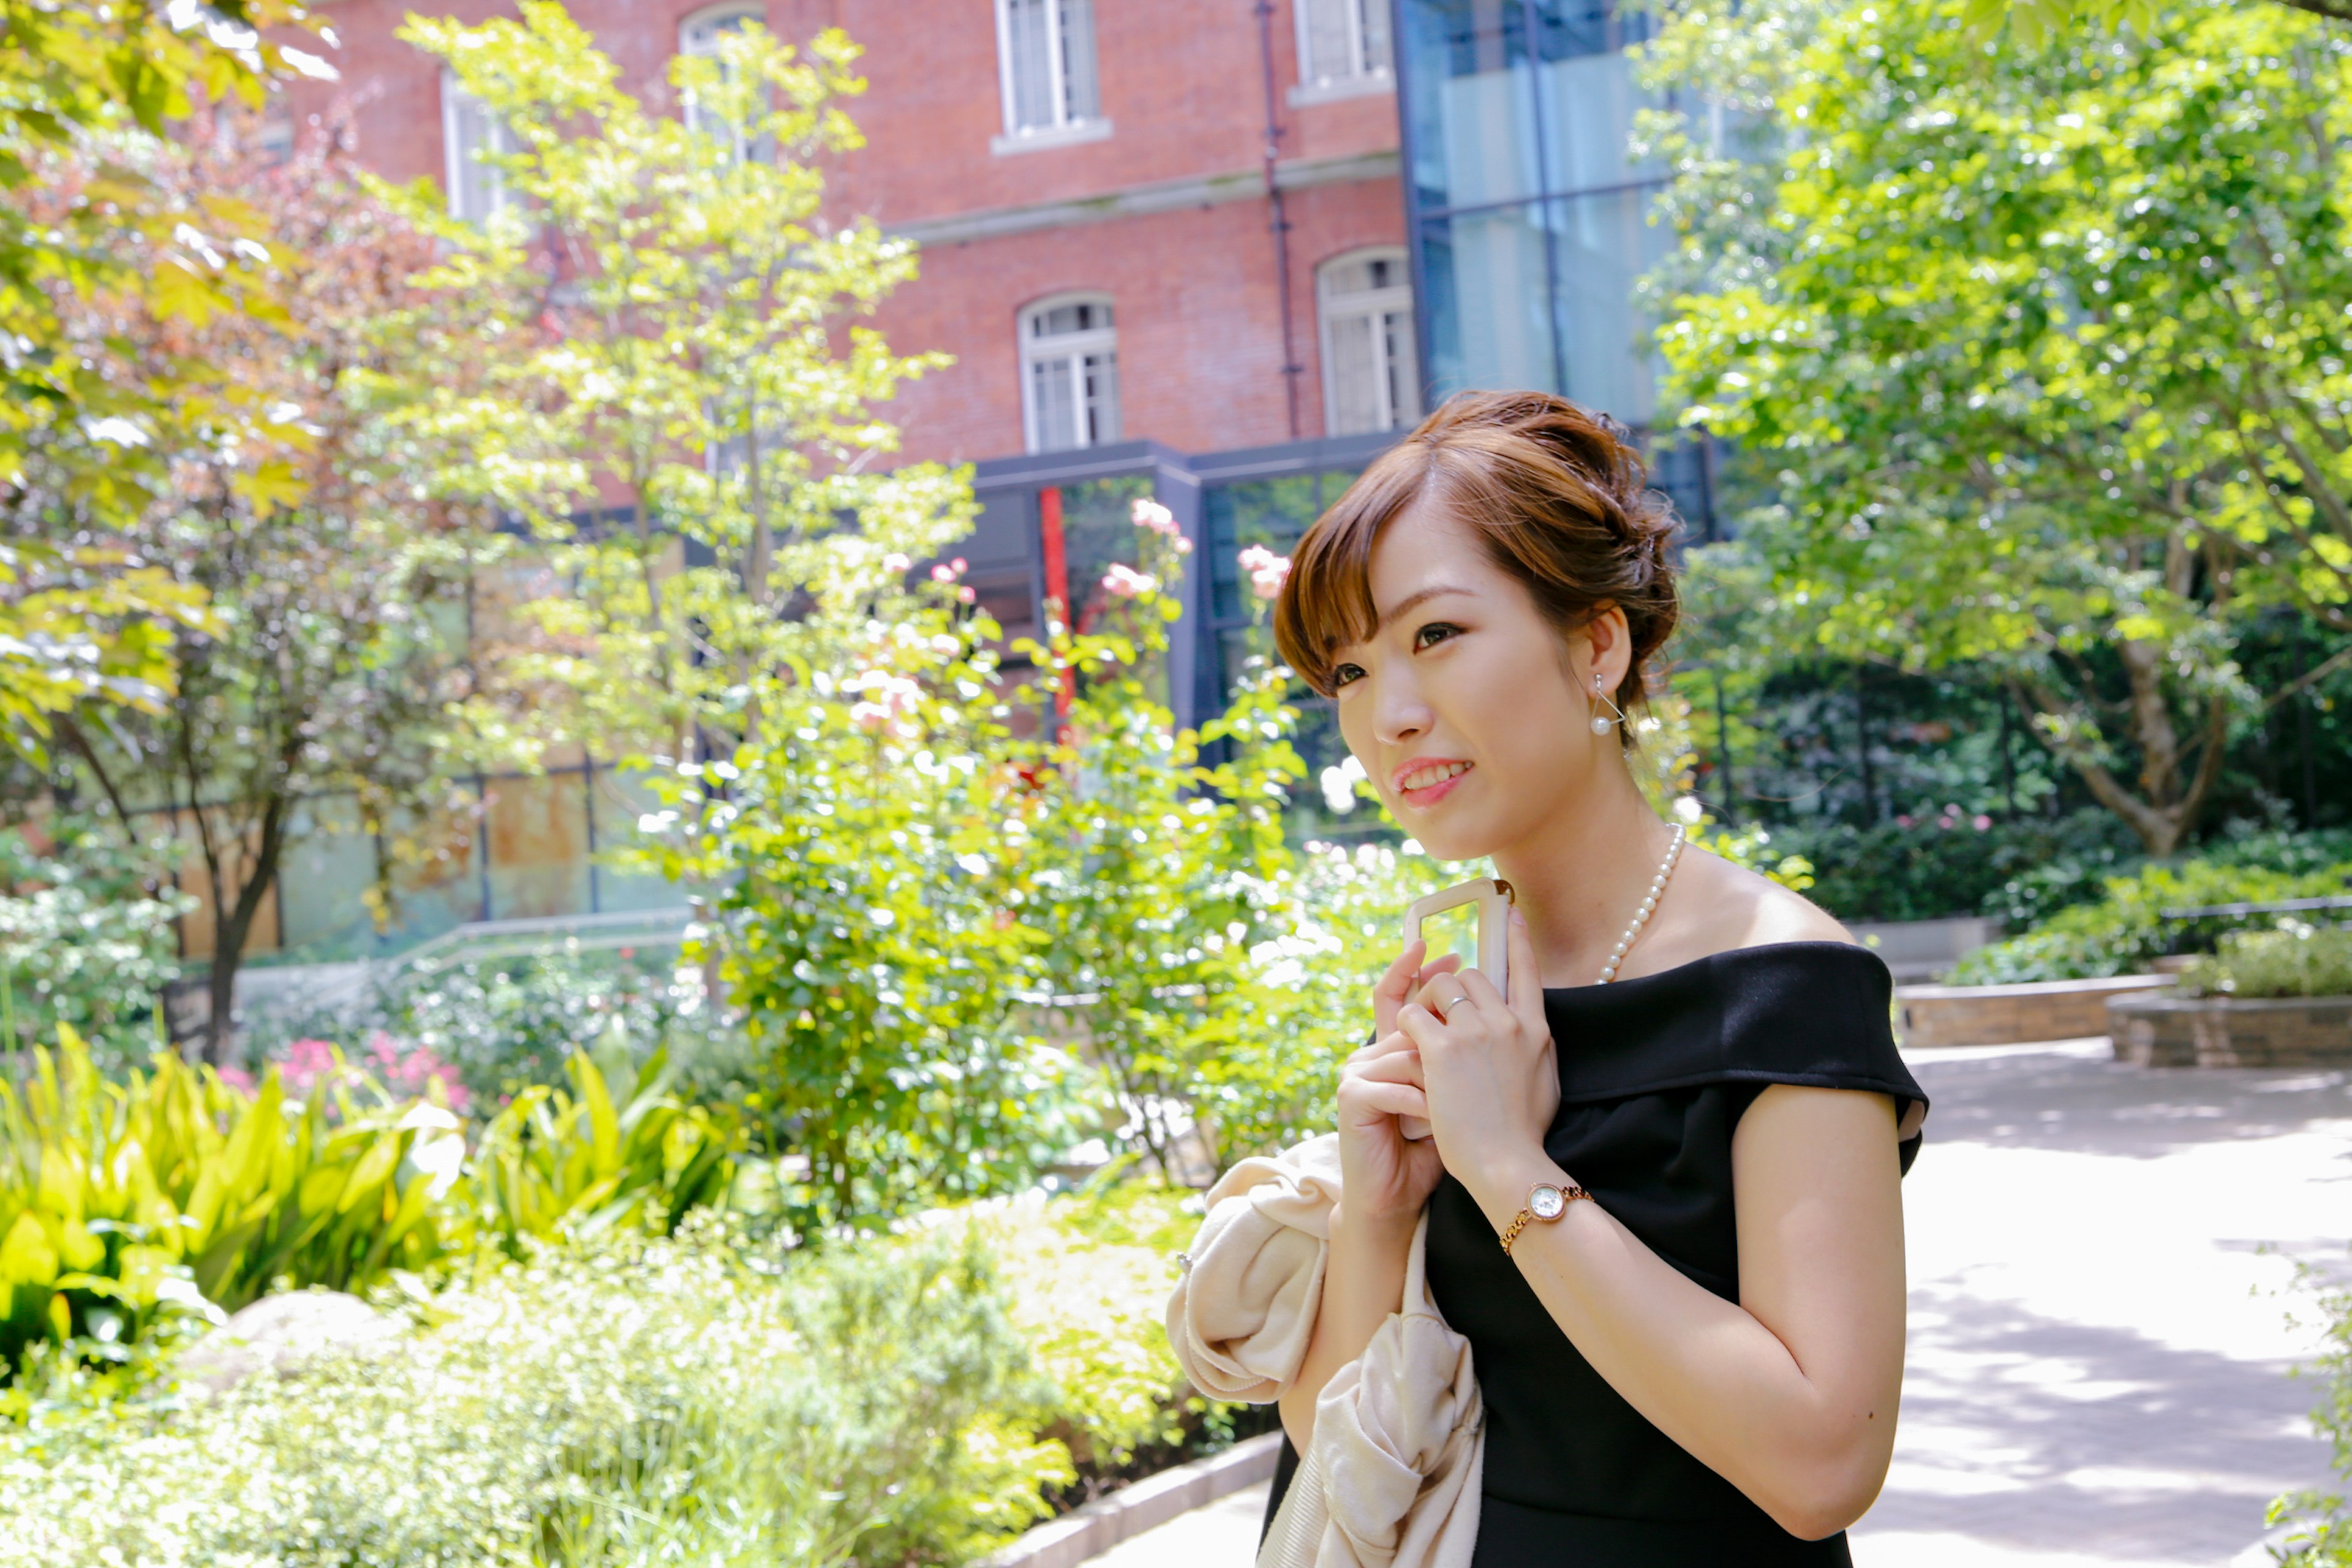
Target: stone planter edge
1095, 1529
2164, 1029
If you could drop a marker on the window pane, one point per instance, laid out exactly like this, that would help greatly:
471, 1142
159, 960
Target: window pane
1051, 396
1588, 102
473, 184
1470, 99
1330, 55
1372, 19
1082, 316
1398, 372
1081, 99
1605, 246
1489, 302
1101, 375
1356, 373
1030, 63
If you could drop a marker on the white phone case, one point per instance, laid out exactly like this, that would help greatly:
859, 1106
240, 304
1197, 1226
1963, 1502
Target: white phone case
1494, 897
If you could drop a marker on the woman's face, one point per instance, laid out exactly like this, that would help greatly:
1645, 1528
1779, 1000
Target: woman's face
1468, 711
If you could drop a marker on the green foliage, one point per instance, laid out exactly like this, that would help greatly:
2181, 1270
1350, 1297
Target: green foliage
1952, 864
2295, 961
88, 937
2125, 930
122, 1204
119, 1199
636, 1402
1990, 318
617, 1151
2322, 1538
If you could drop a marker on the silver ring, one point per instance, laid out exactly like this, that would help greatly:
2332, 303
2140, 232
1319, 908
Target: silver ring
1446, 1004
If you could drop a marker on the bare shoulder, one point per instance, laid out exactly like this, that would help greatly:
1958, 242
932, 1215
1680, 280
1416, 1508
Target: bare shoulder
1714, 906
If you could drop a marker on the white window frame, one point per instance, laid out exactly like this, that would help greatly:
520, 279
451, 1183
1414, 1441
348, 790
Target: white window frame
698, 34
497, 139
1073, 347
1400, 410
1069, 124
1362, 78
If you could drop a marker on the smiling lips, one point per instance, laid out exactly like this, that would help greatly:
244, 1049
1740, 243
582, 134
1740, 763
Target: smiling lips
1428, 780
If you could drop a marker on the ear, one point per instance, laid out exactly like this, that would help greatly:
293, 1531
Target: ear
1611, 642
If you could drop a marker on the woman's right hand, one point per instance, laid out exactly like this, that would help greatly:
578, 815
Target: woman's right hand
1385, 1176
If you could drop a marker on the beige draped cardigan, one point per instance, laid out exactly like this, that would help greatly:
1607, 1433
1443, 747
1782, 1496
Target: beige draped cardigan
1391, 1477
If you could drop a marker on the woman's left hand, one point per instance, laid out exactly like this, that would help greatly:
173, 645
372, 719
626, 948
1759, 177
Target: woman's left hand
1487, 1066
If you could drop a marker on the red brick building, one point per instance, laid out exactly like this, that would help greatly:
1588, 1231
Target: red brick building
1109, 251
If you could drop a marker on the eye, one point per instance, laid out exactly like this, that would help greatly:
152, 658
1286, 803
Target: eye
1345, 674
1433, 634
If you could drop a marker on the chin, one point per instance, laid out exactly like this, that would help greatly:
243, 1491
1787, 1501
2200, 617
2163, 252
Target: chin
1450, 840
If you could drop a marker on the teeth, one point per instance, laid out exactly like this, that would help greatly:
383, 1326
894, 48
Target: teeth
1422, 778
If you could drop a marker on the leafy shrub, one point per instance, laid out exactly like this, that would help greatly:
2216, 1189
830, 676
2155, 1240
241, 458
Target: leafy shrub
87, 936
506, 1022
1945, 863
2324, 1536
636, 1401
2298, 961
618, 1150
122, 1203
2126, 930
118, 1200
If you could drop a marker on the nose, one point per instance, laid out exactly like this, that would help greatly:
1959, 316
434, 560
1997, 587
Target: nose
1399, 714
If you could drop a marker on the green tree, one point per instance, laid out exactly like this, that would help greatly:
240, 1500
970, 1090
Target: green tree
674, 326
86, 92
334, 649
2043, 345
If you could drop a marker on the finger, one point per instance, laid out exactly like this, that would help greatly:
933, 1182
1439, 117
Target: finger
1424, 1027
1397, 980
1394, 1040
1397, 1067
1442, 994
1526, 981
1451, 963
1364, 1102
1478, 993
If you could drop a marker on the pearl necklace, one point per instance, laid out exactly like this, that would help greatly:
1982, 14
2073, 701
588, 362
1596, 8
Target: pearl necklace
1649, 903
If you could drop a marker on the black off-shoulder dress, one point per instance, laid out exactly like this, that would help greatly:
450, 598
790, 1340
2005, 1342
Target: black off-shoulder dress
1655, 1072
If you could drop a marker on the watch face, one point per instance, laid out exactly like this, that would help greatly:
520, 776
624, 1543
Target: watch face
1547, 1202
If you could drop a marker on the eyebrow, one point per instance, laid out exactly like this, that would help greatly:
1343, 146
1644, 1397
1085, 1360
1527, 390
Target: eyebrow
1410, 600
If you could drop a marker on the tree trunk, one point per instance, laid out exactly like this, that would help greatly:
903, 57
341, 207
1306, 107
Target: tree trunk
2165, 809
232, 927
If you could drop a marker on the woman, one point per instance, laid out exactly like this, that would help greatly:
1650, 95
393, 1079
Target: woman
1701, 1363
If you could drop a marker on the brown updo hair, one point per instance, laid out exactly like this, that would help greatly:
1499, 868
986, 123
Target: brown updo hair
1557, 495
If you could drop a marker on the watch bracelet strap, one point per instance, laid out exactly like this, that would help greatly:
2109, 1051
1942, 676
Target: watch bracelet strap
1527, 1217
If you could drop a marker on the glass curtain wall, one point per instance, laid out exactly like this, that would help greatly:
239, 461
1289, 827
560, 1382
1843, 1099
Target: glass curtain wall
1528, 218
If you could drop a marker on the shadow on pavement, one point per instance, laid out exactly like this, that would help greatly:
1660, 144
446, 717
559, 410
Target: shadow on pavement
2079, 1105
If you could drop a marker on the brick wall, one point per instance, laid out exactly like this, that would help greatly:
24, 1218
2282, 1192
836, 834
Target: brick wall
1183, 86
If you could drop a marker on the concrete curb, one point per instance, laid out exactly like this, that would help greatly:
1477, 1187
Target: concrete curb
1089, 1531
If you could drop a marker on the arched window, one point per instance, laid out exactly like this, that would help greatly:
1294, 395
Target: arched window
1369, 379
698, 35
1069, 372
469, 133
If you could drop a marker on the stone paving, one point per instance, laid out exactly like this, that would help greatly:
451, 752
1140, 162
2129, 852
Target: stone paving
2102, 1264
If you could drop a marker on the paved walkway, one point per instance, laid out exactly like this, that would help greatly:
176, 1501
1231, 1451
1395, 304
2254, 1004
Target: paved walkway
2103, 1263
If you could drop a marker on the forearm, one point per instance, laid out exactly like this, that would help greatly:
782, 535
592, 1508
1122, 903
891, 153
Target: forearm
1364, 1283
1810, 1451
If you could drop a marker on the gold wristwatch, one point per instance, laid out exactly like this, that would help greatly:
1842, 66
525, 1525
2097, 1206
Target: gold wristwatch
1547, 1200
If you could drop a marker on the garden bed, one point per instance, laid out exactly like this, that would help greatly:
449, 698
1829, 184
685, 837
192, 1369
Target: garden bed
1937, 1016
2163, 1030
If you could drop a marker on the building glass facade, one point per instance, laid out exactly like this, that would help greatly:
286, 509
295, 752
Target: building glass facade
1529, 219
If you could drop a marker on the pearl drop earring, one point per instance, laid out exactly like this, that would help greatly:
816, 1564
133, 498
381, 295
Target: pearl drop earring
1601, 724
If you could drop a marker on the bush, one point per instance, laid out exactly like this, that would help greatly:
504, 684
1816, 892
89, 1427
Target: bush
2324, 1537
124, 1203
2126, 930
1944, 864
638, 1401
2297, 961
87, 936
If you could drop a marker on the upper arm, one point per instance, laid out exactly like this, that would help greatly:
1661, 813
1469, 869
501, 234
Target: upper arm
1816, 1185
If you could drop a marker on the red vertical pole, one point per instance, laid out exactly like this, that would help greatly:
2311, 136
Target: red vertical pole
1058, 581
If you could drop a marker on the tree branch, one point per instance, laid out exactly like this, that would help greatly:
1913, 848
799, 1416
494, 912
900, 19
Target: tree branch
2334, 10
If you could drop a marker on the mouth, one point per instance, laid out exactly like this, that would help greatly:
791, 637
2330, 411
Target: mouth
1424, 782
